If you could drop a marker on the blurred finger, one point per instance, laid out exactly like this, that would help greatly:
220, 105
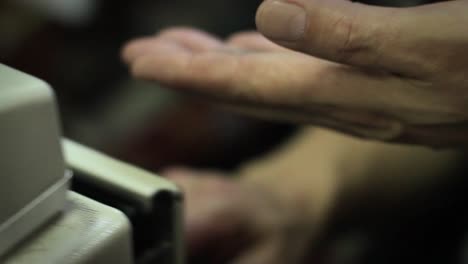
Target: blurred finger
192, 39
277, 79
252, 40
175, 39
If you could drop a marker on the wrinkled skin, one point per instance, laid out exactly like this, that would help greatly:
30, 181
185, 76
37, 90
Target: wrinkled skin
391, 74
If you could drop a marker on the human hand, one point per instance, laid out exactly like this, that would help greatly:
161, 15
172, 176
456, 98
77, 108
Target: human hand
393, 74
411, 62
228, 221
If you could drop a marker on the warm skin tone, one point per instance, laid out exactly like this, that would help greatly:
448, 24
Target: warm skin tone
272, 211
382, 73
394, 74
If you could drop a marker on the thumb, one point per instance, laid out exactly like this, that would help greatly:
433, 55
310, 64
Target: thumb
336, 30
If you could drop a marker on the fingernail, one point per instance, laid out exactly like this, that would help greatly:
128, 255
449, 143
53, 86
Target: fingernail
279, 20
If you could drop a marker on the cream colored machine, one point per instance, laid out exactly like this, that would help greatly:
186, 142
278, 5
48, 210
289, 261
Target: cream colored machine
61, 202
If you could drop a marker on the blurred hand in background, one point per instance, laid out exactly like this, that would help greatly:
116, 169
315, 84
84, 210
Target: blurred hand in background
229, 221
276, 208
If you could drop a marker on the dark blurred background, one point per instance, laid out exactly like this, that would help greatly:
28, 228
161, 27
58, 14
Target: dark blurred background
75, 44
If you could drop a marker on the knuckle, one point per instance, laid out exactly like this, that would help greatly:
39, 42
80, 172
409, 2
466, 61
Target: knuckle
352, 38
360, 41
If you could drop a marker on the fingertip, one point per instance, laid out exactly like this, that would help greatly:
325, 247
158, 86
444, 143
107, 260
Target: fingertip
146, 68
147, 46
165, 62
126, 52
134, 48
138, 68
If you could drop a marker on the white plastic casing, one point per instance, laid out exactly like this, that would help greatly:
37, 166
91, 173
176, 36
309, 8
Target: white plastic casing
88, 232
33, 181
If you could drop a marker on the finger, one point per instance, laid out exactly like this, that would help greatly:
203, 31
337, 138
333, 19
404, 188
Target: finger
341, 31
170, 39
253, 40
274, 80
199, 208
288, 80
192, 39
138, 47
214, 221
